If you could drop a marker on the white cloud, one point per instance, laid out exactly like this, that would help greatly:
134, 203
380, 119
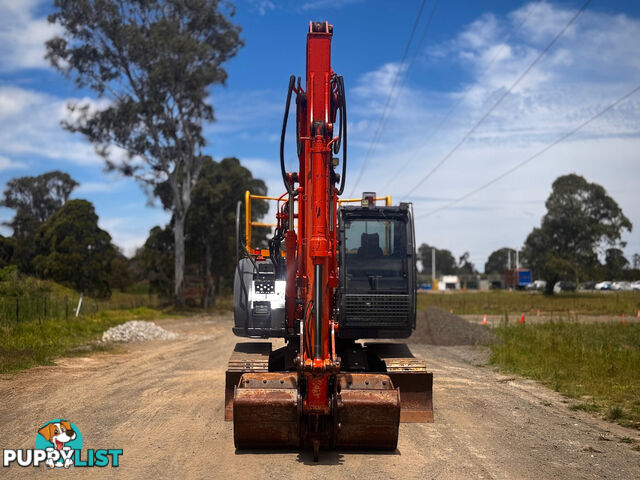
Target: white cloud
262, 6
129, 232
23, 36
334, 4
588, 68
378, 83
248, 115
8, 164
98, 187
30, 125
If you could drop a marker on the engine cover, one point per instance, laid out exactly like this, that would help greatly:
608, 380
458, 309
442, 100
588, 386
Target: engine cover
258, 300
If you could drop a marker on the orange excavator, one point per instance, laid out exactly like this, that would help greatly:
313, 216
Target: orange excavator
334, 273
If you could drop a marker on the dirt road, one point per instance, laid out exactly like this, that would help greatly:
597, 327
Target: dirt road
162, 403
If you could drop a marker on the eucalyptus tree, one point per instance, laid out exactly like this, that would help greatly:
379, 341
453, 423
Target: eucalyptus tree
152, 62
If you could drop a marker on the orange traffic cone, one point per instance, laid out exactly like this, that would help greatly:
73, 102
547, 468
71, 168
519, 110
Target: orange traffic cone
522, 318
451, 310
638, 313
538, 313
624, 322
484, 319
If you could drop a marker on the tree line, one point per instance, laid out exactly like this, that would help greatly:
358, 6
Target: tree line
579, 239
58, 239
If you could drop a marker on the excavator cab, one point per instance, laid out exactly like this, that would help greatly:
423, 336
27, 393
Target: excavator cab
377, 293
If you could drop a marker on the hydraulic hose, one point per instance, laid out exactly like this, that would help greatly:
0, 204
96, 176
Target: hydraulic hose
343, 131
283, 170
243, 288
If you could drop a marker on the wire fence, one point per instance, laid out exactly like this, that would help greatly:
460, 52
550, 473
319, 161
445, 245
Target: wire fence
15, 310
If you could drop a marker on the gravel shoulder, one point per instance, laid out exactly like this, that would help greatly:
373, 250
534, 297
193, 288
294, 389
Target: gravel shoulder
162, 402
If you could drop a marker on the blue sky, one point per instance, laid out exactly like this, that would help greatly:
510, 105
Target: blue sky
471, 52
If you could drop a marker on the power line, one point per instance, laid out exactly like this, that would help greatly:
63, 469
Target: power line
534, 156
404, 78
455, 106
422, 38
499, 101
378, 130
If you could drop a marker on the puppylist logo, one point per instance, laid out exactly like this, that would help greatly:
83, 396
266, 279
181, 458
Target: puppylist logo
59, 445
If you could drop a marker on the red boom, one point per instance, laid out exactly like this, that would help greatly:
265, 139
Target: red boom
316, 271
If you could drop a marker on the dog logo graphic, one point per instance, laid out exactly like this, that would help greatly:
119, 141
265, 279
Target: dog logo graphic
59, 445
61, 436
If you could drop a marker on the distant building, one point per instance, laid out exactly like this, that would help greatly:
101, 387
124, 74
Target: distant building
449, 282
496, 281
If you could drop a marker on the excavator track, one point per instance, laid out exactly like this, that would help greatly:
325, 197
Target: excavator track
249, 357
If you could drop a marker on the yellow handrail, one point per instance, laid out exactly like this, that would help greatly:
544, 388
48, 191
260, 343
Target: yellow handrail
387, 200
247, 219
248, 224
262, 197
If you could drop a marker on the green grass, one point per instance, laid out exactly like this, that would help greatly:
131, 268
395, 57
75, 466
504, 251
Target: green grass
596, 364
586, 407
25, 299
564, 304
27, 344
38, 323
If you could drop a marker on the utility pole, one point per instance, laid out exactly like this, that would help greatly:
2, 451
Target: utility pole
433, 267
509, 269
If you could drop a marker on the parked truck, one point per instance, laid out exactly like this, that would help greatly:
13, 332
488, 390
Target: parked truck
517, 278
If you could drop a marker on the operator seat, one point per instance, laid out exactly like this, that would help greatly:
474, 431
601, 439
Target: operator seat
370, 246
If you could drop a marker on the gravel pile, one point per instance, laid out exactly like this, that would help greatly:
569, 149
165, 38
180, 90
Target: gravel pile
137, 331
435, 326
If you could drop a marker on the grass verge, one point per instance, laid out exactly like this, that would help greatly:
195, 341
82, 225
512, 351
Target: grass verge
27, 344
596, 364
564, 304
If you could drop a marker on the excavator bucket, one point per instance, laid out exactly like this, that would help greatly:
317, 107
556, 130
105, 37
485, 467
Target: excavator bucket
266, 407
266, 411
367, 412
